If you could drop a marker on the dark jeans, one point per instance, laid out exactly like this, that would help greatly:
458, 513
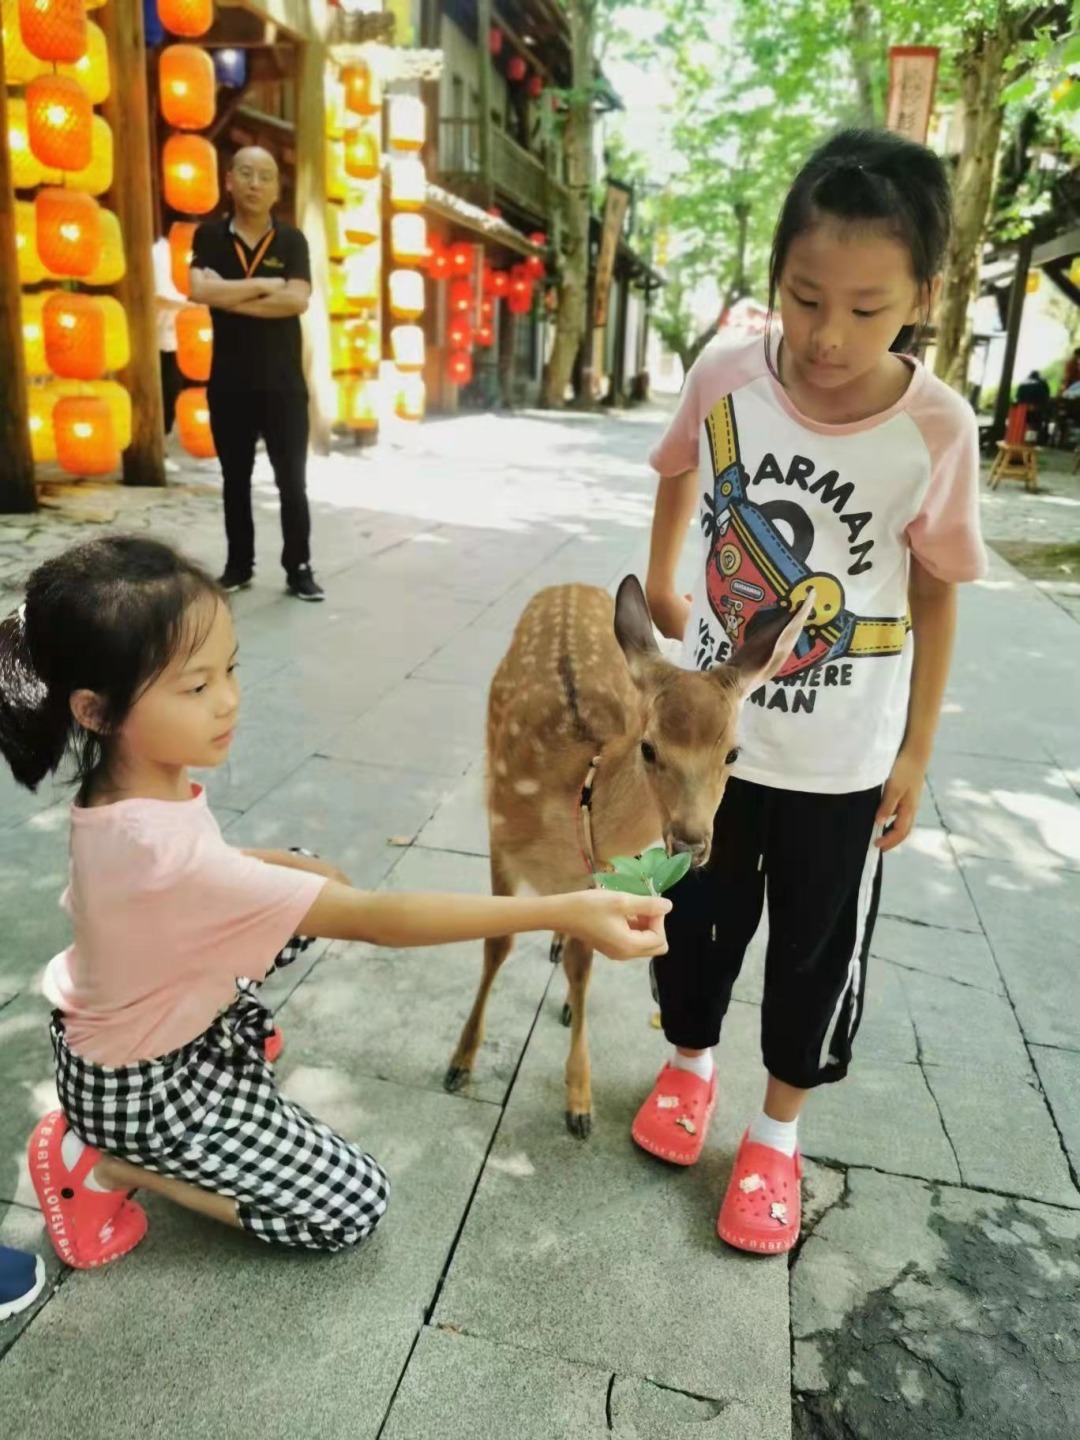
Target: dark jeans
238, 418
172, 383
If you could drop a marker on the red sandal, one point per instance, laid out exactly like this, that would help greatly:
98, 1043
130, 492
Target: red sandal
673, 1122
87, 1227
762, 1210
275, 1044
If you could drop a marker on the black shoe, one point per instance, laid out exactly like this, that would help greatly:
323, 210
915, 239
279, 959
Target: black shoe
304, 586
234, 579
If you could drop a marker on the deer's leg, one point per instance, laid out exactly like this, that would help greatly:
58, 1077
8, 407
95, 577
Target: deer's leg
495, 952
577, 962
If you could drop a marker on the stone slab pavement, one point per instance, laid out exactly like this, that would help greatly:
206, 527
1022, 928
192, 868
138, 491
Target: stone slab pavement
525, 1283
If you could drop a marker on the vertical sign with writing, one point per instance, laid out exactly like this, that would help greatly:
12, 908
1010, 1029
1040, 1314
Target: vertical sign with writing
615, 205
912, 78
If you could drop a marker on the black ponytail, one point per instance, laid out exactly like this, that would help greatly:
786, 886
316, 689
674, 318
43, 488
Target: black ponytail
34, 729
106, 617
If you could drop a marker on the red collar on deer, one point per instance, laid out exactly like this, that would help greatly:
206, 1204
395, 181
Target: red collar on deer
585, 814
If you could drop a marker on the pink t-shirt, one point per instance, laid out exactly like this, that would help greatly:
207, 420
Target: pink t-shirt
167, 916
786, 502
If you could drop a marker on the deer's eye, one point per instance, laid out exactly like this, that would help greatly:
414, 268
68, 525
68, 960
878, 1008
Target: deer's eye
732, 756
648, 753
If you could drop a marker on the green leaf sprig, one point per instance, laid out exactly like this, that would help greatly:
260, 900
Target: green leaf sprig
648, 874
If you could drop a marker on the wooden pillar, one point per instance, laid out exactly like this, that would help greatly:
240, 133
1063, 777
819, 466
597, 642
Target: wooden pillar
1017, 291
18, 494
132, 197
311, 219
483, 30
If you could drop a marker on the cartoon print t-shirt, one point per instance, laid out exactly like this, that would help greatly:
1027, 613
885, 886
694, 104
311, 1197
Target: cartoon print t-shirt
787, 503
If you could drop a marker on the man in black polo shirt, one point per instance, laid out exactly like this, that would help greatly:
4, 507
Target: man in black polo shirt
255, 275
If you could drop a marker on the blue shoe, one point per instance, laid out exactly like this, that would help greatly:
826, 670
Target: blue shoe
22, 1279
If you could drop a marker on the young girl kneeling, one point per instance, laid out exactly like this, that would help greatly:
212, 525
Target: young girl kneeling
124, 655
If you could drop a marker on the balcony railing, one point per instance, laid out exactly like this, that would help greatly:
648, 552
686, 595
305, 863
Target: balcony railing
516, 174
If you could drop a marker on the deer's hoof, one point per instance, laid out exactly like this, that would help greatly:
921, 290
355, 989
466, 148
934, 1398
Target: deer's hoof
455, 1078
555, 953
567, 1016
580, 1126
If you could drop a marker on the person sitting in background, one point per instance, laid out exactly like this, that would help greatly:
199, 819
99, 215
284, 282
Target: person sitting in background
1034, 392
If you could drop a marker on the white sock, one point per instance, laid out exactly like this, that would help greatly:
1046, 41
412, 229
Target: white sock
700, 1065
782, 1135
71, 1147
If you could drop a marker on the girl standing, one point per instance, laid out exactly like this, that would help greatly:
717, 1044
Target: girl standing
820, 457
124, 655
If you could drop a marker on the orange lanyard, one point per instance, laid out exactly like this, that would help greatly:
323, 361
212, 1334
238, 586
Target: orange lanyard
249, 267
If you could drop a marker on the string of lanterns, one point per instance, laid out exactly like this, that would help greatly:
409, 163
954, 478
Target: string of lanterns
57, 71
188, 77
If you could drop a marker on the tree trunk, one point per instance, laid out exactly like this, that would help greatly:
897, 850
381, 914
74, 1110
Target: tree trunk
862, 61
735, 291
573, 326
18, 495
980, 66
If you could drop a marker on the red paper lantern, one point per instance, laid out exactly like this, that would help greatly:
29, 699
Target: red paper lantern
59, 120
495, 40
462, 297
459, 334
538, 238
193, 423
485, 335
487, 309
363, 92
191, 174
194, 342
520, 297
516, 68
535, 87
188, 87
189, 18
85, 435
181, 240
438, 266
534, 267
74, 336
460, 367
461, 258
54, 29
361, 154
69, 232
500, 283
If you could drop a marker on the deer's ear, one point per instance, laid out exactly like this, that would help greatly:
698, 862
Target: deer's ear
764, 652
633, 623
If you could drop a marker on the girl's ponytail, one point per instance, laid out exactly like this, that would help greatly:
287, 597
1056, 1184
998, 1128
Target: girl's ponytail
34, 726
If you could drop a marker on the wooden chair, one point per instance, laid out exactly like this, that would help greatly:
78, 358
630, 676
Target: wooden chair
1016, 458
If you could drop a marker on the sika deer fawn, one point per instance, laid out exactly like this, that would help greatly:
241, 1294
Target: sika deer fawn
584, 682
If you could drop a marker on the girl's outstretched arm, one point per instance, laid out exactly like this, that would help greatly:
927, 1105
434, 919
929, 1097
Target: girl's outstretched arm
626, 927
676, 499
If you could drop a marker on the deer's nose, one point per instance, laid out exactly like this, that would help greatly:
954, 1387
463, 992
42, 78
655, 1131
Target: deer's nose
698, 850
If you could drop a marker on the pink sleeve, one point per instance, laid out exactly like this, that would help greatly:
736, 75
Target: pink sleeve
678, 450
944, 536
721, 368
244, 910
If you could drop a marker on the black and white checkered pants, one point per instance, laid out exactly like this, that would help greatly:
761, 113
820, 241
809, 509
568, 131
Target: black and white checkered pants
210, 1113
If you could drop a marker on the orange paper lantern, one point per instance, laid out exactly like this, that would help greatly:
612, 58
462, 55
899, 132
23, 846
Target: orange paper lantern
54, 29
69, 232
408, 239
406, 122
410, 398
460, 367
58, 116
191, 174
193, 423
363, 90
74, 336
194, 342
187, 87
117, 339
408, 184
92, 70
112, 266
85, 435
181, 240
119, 403
98, 175
407, 344
406, 294
189, 18
361, 154
41, 402
362, 279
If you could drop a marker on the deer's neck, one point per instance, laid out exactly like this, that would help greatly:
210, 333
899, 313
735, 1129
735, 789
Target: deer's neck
625, 818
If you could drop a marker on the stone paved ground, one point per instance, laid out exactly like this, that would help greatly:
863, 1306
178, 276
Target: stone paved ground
526, 1284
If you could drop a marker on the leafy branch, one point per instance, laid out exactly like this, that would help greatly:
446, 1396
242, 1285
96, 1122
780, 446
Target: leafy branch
649, 874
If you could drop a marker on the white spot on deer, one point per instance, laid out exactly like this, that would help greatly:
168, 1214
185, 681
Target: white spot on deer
500, 767
514, 728
497, 819
527, 787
